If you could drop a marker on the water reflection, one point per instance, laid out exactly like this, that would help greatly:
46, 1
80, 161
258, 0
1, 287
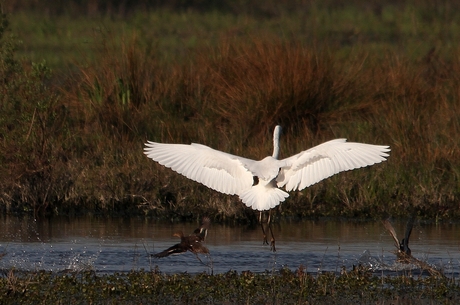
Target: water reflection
116, 245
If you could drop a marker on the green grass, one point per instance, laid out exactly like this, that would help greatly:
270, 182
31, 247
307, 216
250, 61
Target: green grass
409, 28
73, 135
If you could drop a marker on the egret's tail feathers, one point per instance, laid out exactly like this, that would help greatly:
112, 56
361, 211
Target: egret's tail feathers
263, 198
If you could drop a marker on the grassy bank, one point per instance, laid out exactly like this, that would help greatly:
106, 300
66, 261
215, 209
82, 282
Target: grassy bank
230, 288
72, 137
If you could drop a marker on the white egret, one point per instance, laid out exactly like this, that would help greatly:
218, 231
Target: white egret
258, 183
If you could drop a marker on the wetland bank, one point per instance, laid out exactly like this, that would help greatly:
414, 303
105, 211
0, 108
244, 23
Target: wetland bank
72, 127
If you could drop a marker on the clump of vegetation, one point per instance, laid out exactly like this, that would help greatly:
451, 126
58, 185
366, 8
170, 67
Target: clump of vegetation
285, 286
31, 127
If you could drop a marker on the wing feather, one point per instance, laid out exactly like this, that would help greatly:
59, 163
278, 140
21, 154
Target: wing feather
260, 197
220, 171
322, 161
392, 232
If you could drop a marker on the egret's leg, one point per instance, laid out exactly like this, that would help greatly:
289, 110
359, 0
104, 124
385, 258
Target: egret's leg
272, 241
265, 241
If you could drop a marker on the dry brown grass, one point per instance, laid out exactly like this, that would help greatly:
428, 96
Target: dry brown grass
230, 97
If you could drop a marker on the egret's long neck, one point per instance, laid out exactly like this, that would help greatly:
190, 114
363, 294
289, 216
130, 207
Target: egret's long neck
276, 141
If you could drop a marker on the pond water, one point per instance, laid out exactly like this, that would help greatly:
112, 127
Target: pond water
109, 245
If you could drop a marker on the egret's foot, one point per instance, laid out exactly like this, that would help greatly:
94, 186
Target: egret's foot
265, 240
272, 245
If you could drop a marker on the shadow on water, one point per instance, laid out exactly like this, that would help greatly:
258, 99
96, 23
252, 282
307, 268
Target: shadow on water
109, 245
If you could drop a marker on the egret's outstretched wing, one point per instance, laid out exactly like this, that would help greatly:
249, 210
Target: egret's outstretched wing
220, 171
322, 161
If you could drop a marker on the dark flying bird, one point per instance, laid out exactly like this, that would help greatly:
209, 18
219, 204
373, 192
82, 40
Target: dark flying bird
403, 250
192, 243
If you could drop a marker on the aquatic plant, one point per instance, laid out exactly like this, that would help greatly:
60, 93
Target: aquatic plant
232, 288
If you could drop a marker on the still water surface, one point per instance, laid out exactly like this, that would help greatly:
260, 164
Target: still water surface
120, 245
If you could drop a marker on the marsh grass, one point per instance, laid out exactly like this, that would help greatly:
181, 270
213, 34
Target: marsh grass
229, 96
74, 144
230, 288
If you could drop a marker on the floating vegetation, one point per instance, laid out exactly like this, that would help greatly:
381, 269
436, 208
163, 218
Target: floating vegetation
231, 288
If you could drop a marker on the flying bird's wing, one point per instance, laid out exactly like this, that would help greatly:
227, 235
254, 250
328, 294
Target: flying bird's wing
193, 244
405, 242
392, 231
197, 247
322, 161
176, 249
262, 198
202, 231
220, 171
409, 226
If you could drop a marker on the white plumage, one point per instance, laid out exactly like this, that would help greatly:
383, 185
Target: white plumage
258, 183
